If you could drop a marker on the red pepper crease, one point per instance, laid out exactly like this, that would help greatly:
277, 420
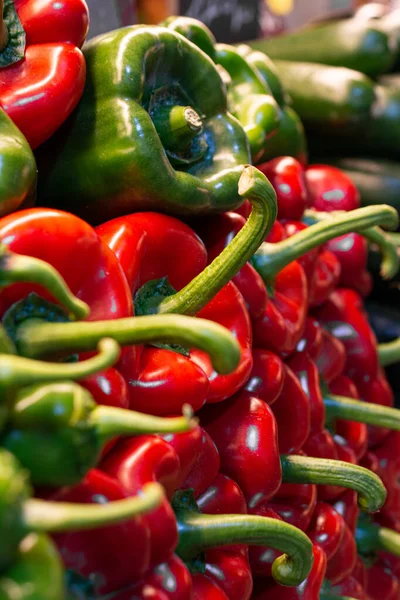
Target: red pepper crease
267, 589
343, 561
206, 589
267, 376
351, 250
312, 338
40, 91
326, 528
307, 374
331, 360
382, 583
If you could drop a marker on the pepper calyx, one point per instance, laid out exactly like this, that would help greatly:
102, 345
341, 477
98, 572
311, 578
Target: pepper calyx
12, 35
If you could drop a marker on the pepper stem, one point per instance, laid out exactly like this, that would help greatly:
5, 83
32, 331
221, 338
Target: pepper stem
341, 407
18, 268
37, 338
177, 126
389, 353
384, 240
198, 532
111, 422
305, 469
327, 596
3, 28
254, 186
16, 371
270, 259
371, 537
40, 515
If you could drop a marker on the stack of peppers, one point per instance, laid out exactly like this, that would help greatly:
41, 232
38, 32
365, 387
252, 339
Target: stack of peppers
234, 436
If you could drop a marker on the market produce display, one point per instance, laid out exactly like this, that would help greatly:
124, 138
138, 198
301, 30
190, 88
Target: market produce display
195, 402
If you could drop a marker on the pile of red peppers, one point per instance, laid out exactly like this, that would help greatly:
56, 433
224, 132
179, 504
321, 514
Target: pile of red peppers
193, 404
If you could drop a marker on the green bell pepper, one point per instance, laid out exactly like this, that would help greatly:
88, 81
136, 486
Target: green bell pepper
17, 168
151, 132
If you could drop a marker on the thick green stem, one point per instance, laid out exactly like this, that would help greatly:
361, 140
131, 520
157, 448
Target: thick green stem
16, 268
304, 469
389, 353
16, 371
341, 407
198, 532
370, 538
177, 126
37, 338
111, 422
272, 258
385, 242
40, 515
254, 186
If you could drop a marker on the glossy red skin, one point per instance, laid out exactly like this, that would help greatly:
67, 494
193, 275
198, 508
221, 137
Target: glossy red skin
84, 551
295, 503
292, 413
326, 528
225, 488
331, 360
206, 589
266, 377
349, 586
245, 433
377, 391
382, 583
388, 455
355, 434
152, 246
267, 589
306, 372
342, 316
196, 440
309, 260
168, 581
281, 326
217, 233
347, 506
311, 340
343, 561
326, 277
330, 189
351, 250
136, 461
205, 467
288, 179
322, 445
41, 91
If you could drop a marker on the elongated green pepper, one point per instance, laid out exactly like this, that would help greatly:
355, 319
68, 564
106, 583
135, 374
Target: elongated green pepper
151, 132
18, 170
57, 431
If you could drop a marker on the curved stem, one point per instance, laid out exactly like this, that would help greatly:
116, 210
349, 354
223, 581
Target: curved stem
389, 353
385, 241
16, 268
40, 515
254, 186
272, 258
111, 422
341, 407
35, 338
16, 371
198, 532
371, 537
304, 469
176, 125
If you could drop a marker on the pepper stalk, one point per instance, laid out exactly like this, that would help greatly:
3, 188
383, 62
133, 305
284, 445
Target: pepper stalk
389, 353
371, 537
198, 532
348, 409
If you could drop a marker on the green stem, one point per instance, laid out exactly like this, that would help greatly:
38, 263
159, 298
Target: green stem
341, 407
389, 353
111, 422
40, 515
270, 259
16, 371
6, 344
15, 268
177, 126
304, 469
371, 537
198, 532
3, 28
37, 338
390, 257
328, 596
254, 186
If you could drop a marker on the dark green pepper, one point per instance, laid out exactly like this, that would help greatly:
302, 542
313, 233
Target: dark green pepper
57, 431
17, 168
151, 132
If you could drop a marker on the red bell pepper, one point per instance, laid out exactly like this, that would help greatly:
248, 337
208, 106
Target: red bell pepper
330, 189
326, 528
351, 250
206, 589
331, 360
307, 373
312, 338
267, 589
348, 588
288, 178
267, 376
382, 583
42, 69
59, 238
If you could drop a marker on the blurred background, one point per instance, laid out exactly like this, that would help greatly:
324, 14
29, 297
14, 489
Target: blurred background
230, 20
